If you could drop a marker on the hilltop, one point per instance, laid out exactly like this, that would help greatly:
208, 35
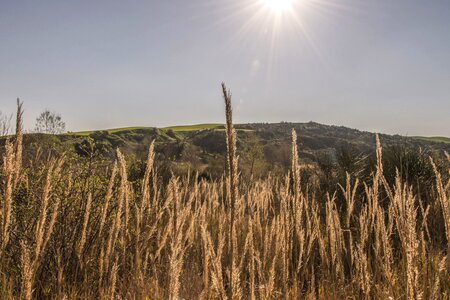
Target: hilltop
312, 136
202, 147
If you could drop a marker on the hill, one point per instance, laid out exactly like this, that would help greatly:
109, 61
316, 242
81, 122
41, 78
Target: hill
202, 147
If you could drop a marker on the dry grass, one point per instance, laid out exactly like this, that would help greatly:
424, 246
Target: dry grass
100, 236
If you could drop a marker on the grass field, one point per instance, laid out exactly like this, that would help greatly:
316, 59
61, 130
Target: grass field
114, 130
180, 128
195, 127
74, 227
438, 139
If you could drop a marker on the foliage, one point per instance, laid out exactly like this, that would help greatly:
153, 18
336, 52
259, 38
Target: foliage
50, 122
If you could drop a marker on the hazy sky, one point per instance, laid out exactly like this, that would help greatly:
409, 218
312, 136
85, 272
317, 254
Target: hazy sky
377, 65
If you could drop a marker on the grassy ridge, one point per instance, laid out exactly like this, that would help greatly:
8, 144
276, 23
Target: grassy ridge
198, 127
437, 139
114, 130
195, 127
178, 128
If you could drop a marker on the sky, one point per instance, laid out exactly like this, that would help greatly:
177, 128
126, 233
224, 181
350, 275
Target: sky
375, 65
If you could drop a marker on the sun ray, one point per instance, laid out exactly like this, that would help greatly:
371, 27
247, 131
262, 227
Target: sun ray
267, 28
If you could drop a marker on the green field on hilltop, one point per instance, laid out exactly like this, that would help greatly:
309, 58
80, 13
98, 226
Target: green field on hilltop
114, 130
195, 127
437, 139
179, 128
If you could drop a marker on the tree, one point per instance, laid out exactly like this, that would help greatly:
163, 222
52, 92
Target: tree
5, 124
50, 122
253, 155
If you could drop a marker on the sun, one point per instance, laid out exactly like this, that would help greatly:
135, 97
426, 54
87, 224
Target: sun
278, 6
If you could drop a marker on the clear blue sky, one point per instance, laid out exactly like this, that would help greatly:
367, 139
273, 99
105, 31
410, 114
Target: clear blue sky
378, 65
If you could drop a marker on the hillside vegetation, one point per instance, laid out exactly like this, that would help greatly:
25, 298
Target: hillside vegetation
263, 148
246, 212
